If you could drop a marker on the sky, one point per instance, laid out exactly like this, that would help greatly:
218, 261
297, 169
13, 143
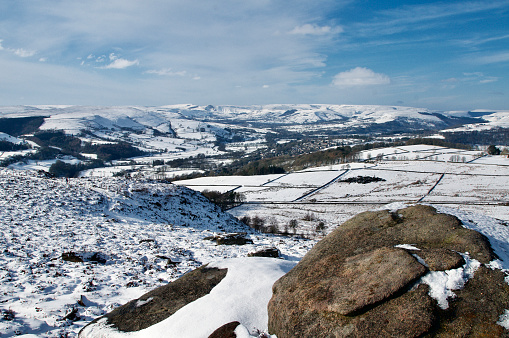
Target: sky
443, 55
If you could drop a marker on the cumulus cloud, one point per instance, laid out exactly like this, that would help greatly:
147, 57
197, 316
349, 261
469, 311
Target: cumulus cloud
309, 29
121, 64
360, 76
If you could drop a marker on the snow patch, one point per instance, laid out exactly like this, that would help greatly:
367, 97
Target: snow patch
406, 247
143, 302
503, 320
442, 283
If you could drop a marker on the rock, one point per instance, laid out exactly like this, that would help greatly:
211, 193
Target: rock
478, 306
72, 315
440, 259
84, 257
350, 285
237, 238
7, 315
225, 331
157, 305
72, 257
357, 283
267, 252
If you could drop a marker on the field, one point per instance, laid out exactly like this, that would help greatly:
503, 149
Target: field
408, 174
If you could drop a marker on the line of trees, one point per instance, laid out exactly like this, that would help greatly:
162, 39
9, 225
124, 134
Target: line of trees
9, 146
63, 169
225, 200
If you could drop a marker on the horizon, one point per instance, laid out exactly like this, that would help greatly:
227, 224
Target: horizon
247, 106
436, 55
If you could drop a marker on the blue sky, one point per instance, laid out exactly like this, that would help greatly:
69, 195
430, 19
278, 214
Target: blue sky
445, 55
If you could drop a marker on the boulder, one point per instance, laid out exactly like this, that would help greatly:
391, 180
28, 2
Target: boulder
362, 281
440, 259
266, 252
236, 238
225, 331
158, 304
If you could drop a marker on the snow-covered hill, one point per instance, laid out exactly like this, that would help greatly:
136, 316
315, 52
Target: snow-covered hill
184, 131
166, 119
342, 115
132, 235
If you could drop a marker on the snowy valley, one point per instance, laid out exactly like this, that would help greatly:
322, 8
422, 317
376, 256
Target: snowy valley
75, 248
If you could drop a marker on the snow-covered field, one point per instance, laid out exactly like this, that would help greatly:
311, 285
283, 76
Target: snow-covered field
481, 185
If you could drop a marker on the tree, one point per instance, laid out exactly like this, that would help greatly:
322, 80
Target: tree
273, 226
492, 150
257, 223
320, 227
293, 224
62, 169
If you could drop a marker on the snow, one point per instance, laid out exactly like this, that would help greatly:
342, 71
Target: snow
241, 296
493, 159
504, 320
137, 225
9, 138
497, 119
442, 283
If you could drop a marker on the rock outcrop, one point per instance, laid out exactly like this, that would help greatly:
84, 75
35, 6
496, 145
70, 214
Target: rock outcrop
157, 305
362, 280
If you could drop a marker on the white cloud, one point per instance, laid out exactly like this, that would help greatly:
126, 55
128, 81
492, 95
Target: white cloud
479, 77
121, 64
489, 79
494, 58
23, 52
19, 51
309, 29
217, 43
166, 72
360, 76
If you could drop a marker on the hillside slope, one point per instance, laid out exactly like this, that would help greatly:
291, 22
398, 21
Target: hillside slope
73, 249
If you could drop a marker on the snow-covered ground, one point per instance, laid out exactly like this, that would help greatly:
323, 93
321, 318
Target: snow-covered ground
244, 293
426, 174
131, 232
133, 235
